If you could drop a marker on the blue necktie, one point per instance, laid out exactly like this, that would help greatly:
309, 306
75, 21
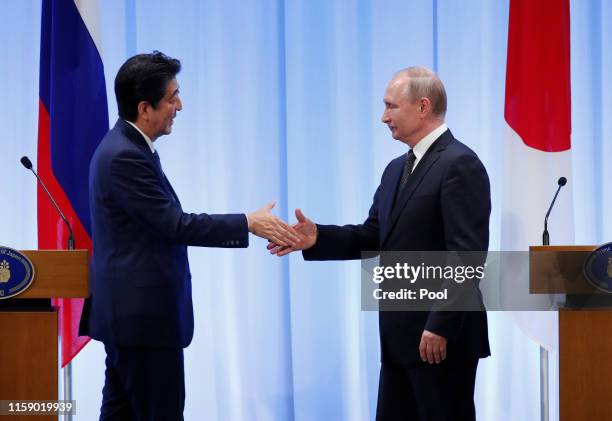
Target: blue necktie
164, 179
157, 161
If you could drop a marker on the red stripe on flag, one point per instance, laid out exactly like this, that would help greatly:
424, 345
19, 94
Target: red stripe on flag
538, 96
53, 235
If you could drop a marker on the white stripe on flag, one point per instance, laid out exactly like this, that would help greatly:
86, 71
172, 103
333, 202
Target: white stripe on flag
90, 13
530, 180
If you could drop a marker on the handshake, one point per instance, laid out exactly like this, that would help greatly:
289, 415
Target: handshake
283, 238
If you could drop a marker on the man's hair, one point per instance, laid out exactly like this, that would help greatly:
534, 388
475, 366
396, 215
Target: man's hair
143, 77
422, 82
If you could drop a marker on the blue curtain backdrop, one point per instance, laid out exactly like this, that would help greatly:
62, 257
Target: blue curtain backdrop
282, 100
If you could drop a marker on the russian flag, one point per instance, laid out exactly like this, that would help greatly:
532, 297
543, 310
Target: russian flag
72, 119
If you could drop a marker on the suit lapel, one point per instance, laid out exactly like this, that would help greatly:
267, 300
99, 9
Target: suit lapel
417, 176
172, 190
137, 139
391, 183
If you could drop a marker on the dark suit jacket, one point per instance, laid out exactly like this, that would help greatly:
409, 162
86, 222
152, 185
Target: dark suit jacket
445, 206
141, 283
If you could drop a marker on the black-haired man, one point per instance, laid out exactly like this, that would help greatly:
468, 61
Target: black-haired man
140, 305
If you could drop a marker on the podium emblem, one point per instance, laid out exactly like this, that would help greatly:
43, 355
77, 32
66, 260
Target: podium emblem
598, 268
5, 272
16, 272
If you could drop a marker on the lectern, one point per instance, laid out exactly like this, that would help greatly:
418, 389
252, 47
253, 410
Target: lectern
28, 324
585, 331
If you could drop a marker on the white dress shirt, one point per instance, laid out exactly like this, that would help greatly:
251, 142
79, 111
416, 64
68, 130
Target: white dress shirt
423, 145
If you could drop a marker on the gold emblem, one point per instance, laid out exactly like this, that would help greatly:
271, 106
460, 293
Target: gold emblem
610, 267
5, 273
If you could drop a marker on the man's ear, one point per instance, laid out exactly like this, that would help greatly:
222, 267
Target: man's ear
425, 106
143, 108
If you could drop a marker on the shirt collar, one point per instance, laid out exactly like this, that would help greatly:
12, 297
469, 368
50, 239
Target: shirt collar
146, 138
423, 145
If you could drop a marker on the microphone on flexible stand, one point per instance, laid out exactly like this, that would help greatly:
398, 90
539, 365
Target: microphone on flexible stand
25, 161
545, 236
543, 352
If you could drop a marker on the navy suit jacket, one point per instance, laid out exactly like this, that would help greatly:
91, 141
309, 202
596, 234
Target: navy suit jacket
444, 206
141, 283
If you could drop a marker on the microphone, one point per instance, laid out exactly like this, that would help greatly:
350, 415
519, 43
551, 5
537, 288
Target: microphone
545, 237
25, 161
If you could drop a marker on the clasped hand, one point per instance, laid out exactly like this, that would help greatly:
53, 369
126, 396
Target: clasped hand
283, 239
264, 224
307, 236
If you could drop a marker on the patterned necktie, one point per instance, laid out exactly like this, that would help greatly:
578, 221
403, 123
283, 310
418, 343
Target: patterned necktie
408, 166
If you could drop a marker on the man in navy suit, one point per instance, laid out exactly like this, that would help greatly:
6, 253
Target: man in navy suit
140, 305
436, 197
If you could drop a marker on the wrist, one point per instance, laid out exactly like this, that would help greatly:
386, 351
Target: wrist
249, 221
312, 238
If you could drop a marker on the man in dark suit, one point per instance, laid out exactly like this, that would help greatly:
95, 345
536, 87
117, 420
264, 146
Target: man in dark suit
140, 305
434, 198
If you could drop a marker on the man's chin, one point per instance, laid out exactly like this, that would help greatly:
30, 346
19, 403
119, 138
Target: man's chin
399, 139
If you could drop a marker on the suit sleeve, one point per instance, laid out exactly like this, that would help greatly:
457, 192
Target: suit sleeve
466, 208
349, 241
138, 190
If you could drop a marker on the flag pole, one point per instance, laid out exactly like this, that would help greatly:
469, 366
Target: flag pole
67, 370
544, 403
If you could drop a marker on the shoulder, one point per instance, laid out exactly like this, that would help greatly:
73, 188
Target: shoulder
116, 149
393, 166
116, 142
395, 162
461, 162
455, 149
457, 154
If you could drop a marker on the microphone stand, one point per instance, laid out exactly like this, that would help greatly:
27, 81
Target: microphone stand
544, 355
67, 370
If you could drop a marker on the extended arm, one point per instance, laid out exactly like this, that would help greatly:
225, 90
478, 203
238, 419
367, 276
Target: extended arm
138, 190
334, 242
